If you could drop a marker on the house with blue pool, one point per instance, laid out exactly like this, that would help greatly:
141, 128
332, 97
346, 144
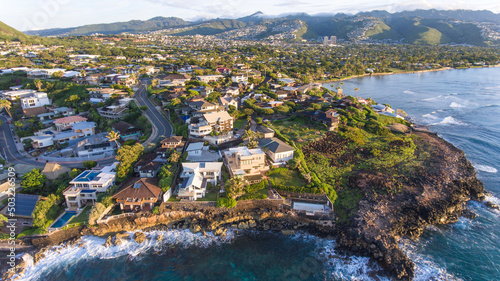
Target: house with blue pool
84, 188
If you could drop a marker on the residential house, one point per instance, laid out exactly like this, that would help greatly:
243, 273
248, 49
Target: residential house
281, 94
204, 91
84, 188
25, 206
243, 161
115, 111
232, 91
14, 95
264, 131
149, 165
53, 170
209, 78
138, 194
105, 93
228, 100
215, 121
43, 73
277, 150
67, 122
329, 118
173, 142
194, 149
42, 141
239, 78
96, 145
127, 130
195, 178
173, 79
223, 70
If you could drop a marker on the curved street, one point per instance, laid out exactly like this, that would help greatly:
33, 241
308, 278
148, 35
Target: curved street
8, 149
161, 126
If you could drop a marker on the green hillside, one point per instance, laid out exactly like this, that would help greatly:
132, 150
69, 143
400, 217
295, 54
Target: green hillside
211, 27
11, 34
426, 31
116, 28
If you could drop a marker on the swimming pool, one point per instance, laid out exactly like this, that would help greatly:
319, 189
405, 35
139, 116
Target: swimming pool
64, 219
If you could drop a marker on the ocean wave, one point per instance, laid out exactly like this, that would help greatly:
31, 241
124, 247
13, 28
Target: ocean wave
425, 267
66, 256
485, 168
449, 121
408, 92
340, 266
456, 105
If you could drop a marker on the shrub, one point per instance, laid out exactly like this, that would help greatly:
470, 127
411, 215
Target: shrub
156, 210
143, 107
96, 212
89, 164
225, 202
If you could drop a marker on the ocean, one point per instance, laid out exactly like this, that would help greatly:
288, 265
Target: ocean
462, 106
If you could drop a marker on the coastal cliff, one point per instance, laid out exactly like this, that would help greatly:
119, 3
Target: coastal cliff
435, 194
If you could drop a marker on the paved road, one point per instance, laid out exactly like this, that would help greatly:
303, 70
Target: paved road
162, 127
8, 147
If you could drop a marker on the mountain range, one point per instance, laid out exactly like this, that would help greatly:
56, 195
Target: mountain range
415, 27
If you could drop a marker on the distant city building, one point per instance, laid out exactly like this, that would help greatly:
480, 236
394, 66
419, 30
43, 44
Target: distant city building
331, 41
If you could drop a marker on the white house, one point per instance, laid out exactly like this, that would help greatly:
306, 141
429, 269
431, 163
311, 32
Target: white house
239, 78
41, 141
36, 99
278, 151
196, 176
13, 95
228, 100
194, 149
84, 188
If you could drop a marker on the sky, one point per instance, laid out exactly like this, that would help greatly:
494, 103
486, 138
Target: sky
43, 14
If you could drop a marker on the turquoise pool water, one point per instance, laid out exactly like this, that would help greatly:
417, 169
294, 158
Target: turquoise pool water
64, 219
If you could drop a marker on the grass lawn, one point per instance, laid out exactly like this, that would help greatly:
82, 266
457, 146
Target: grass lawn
239, 123
82, 217
30, 230
212, 196
173, 199
300, 129
287, 178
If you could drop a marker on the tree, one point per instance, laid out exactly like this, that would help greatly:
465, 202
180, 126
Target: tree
38, 84
89, 164
114, 136
33, 180
74, 173
127, 155
57, 74
174, 157
234, 187
6, 105
356, 90
143, 107
258, 120
248, 111
18, 124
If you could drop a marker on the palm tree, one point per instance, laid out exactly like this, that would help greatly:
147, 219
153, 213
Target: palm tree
7, 105
234, 186
114, 136
355, 91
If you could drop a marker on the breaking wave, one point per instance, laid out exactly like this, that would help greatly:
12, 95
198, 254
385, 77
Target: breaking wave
456, 105
449, 121
485, 168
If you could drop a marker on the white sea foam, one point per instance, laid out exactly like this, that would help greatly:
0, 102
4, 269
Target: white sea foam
339, 266
449, 121
456, 105
61, 256
425, 267
409, 92
429, 116
485, 168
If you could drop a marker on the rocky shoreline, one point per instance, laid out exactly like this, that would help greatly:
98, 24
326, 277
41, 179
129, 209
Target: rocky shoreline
435, 194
